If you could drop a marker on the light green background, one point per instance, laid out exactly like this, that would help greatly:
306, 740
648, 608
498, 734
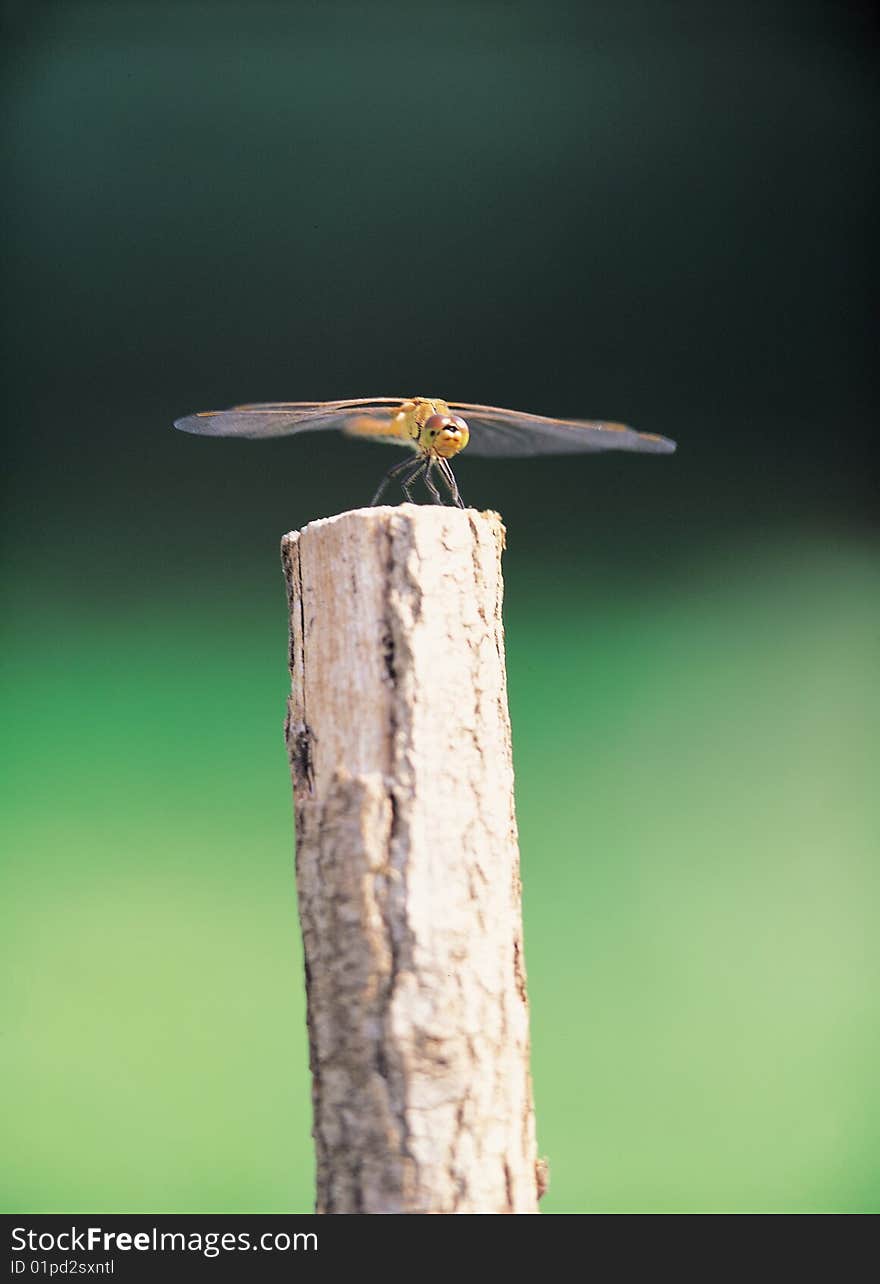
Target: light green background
698, 812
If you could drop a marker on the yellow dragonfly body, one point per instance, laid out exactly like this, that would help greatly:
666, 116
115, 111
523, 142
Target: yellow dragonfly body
434, 430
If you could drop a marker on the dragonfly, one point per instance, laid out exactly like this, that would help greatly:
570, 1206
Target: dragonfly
432, 431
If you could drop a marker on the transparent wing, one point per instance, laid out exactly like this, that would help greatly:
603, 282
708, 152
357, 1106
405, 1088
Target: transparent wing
363, 415
510, 432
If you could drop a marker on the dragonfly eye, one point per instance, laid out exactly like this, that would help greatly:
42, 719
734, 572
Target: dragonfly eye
435, 424
444, 423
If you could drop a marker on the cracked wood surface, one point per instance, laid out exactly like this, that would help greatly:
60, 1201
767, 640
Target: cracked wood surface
407, 864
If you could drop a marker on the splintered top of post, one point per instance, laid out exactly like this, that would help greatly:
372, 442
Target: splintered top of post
430, 516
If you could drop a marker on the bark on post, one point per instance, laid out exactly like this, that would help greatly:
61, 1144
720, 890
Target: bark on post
407, 864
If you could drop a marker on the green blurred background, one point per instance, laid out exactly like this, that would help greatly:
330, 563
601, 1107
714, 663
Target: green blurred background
655, 213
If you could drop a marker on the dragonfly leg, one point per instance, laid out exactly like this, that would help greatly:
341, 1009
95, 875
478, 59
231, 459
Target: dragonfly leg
437, 497
449, 477
408, 463
408, 480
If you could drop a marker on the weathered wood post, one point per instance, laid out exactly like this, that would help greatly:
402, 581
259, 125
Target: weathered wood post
407, 864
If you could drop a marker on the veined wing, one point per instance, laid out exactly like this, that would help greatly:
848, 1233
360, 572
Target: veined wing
363, 415
498, 432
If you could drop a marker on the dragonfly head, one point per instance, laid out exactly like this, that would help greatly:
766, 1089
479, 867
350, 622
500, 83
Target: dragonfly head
445, 435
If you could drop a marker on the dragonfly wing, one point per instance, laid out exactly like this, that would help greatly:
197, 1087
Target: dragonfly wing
282, 418
498, 432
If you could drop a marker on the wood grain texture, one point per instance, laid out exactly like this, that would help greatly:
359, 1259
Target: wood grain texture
408, 865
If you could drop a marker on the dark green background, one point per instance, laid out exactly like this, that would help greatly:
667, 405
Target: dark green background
659, 213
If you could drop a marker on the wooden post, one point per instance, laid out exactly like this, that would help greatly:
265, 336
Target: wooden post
407, 864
